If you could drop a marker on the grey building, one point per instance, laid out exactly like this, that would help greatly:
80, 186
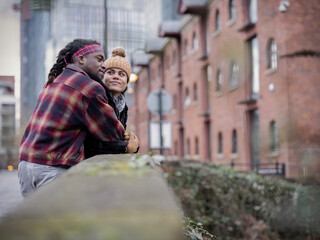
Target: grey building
48, 25
129, 22
35, 34
8, 149
170, 10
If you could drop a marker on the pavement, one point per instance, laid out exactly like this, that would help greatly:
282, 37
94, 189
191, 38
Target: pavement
10, 194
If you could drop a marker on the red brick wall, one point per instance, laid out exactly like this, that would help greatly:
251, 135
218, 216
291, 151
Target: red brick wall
293, 104
138, 112
192, 69
289, 94
226, 113
171, 83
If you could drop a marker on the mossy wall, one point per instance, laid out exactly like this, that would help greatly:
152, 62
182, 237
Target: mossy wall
105, 197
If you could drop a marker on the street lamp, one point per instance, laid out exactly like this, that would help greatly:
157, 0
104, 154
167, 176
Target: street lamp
133, 77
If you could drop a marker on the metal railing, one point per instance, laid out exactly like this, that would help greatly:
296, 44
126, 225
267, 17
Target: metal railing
271, 168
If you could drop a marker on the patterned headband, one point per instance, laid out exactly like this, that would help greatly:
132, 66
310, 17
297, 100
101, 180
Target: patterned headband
86, 50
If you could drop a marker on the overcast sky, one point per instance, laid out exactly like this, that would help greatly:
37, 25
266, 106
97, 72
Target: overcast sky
9, 40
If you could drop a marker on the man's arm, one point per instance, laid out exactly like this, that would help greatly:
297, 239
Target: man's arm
102, 121
93, 146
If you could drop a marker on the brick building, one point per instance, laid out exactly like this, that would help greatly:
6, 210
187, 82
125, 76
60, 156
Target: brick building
243, 76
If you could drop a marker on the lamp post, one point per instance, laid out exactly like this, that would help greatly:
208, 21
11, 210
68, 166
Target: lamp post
105, 3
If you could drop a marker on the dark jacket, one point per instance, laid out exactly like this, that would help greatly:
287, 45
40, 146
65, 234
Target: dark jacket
93, 146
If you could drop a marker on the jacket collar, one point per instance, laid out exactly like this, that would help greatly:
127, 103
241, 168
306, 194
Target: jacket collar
75, 68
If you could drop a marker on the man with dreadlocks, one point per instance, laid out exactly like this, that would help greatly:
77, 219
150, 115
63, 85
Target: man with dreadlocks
72, 103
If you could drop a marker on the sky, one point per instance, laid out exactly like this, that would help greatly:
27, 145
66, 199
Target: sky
10, 45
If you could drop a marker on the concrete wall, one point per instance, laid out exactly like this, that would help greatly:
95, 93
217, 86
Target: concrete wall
105, 197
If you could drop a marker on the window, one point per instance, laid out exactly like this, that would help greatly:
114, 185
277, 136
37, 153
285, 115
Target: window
176, 148
187, 100
196, 144
195, 43
219, 81
272, 54
159, 70
209, 73
185, 47
4, 91
274, 137
175, 101
220, 146
188, 146
195, 92
174, 56
217, 23
167, 61
208, 38
232, 10
254, 67
253, 11
234, 75
234, 141
207, 86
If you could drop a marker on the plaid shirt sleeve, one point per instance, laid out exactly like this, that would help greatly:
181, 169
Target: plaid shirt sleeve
102, 121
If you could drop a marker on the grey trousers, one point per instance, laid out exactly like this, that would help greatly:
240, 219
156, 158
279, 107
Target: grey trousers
32, 176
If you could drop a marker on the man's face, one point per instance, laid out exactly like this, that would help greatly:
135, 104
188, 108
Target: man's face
94, 66
115, 80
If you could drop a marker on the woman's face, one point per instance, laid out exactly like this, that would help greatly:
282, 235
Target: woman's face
115, 80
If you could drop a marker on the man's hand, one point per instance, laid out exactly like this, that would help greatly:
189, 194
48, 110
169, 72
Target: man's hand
133, 143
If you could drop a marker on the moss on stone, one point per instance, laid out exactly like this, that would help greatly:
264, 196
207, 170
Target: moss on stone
105, 197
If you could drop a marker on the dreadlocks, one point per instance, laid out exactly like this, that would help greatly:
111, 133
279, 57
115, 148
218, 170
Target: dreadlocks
64, 57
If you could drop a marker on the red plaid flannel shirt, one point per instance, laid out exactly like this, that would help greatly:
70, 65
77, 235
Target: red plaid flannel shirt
66, 109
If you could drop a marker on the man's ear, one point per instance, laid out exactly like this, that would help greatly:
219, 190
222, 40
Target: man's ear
81, 59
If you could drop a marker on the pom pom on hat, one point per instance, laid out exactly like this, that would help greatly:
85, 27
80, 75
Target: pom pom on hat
118, 60
118, 51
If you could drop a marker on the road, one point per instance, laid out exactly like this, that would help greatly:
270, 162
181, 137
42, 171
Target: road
10, 194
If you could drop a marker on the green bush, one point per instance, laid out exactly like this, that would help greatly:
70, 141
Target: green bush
237, 205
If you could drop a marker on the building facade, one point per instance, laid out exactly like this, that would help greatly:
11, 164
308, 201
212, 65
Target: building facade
243, 76
112, 23
35, 34
8, 147
48, 25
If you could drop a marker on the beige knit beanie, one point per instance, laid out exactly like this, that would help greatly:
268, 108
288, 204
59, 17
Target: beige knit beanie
118, 60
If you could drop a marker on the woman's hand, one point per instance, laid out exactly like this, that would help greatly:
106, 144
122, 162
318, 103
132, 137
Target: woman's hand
126, 136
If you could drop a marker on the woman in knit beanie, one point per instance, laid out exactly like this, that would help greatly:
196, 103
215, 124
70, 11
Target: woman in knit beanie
116, 79
118, 60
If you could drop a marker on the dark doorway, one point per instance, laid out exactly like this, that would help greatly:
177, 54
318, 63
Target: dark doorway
208, 139
254, 138
181, 140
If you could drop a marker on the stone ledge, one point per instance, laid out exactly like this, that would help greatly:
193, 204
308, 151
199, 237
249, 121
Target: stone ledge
104, 197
